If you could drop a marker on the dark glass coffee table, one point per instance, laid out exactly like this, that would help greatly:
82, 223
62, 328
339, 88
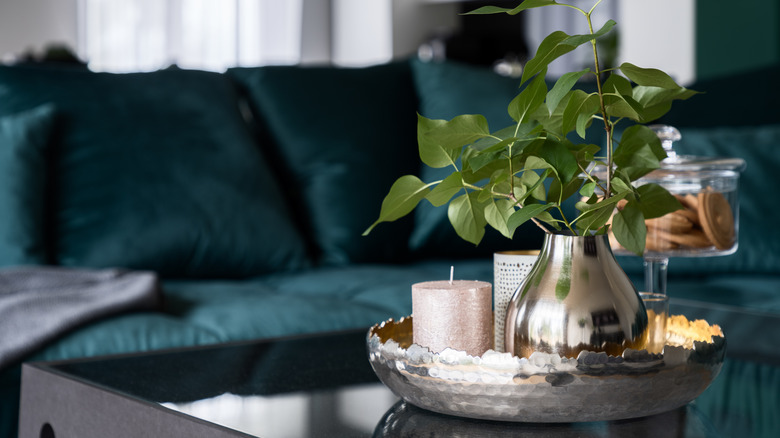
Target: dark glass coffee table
323, 386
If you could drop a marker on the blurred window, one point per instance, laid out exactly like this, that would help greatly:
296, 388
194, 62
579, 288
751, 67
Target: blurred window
145, 35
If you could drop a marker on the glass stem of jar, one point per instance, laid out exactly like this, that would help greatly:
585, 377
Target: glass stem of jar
655, 274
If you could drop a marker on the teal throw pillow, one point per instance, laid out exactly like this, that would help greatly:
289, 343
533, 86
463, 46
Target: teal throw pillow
157, 171
341, 137
446, 90
24, 138
758, 209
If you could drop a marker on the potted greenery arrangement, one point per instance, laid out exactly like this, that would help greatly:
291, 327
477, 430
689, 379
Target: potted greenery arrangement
524, 172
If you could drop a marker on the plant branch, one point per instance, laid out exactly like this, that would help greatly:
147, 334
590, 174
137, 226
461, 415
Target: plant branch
602, 107
590, 178
539, 224
470, 186
594, 7
576, 8
565, 221
511, 172
535, 220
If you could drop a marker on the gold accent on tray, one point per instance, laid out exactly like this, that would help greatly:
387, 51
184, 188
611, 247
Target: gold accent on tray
680, 331
400, 331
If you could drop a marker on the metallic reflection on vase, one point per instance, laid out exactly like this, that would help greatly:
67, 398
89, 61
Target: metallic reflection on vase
575, 298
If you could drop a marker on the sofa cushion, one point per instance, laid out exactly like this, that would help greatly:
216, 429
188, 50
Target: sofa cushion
314, 300
758, 237
343, 136
157, 171
446, 90
23, 146
127, 333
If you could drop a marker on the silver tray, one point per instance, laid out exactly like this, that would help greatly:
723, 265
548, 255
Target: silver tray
547, 388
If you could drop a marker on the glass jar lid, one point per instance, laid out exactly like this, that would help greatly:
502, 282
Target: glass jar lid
685, 169
688, 164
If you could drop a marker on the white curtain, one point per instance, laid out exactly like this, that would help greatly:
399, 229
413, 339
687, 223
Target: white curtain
144, 35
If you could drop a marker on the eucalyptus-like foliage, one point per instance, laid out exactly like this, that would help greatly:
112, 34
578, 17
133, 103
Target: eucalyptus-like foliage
524, 172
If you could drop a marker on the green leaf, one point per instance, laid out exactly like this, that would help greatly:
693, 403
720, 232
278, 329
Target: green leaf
629, 227
460, 131
467, 216
485, 10
494, 162
404, 195
547, 218
445, 190
604, 203
618, 185
478, 162
583, 122
560, 194
536, 163
498, 183
655, 201
584, 153
654, 102
556, 45
497, 214
648, 76
552, 123
648, 114
552, 47
525, 103
521, 191
534, 184
495, 148
500, 137
620, 105
581, 104
625, 185
588, 189
639, 152
651, 96
525, 214
561, 87
594, 219
527, 4
618, 98
556, 154
431, 152
617, 84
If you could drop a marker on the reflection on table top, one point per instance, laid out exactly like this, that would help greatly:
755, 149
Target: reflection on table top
324, 386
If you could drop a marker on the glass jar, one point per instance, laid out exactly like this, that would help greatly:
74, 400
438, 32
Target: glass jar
707, 187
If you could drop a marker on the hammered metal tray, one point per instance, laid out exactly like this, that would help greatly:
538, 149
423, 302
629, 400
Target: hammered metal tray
547, 388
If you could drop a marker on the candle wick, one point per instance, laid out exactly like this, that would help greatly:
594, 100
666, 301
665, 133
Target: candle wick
452, 273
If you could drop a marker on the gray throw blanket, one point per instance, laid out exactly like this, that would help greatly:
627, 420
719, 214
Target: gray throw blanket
40, 303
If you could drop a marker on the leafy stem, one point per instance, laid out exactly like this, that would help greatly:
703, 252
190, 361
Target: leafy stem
525, 171
602, 105
594, 7
591, 178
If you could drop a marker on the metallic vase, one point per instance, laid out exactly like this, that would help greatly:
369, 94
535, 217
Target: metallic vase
576, 298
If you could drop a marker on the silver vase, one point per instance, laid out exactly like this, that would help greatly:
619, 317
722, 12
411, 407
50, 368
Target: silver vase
576, 298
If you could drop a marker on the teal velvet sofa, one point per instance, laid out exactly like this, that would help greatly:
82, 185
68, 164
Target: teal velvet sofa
247, 193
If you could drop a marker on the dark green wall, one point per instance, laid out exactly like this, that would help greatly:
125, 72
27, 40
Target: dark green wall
736, 35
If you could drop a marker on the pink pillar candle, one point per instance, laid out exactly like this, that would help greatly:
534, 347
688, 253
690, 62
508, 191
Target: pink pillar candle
453, 314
